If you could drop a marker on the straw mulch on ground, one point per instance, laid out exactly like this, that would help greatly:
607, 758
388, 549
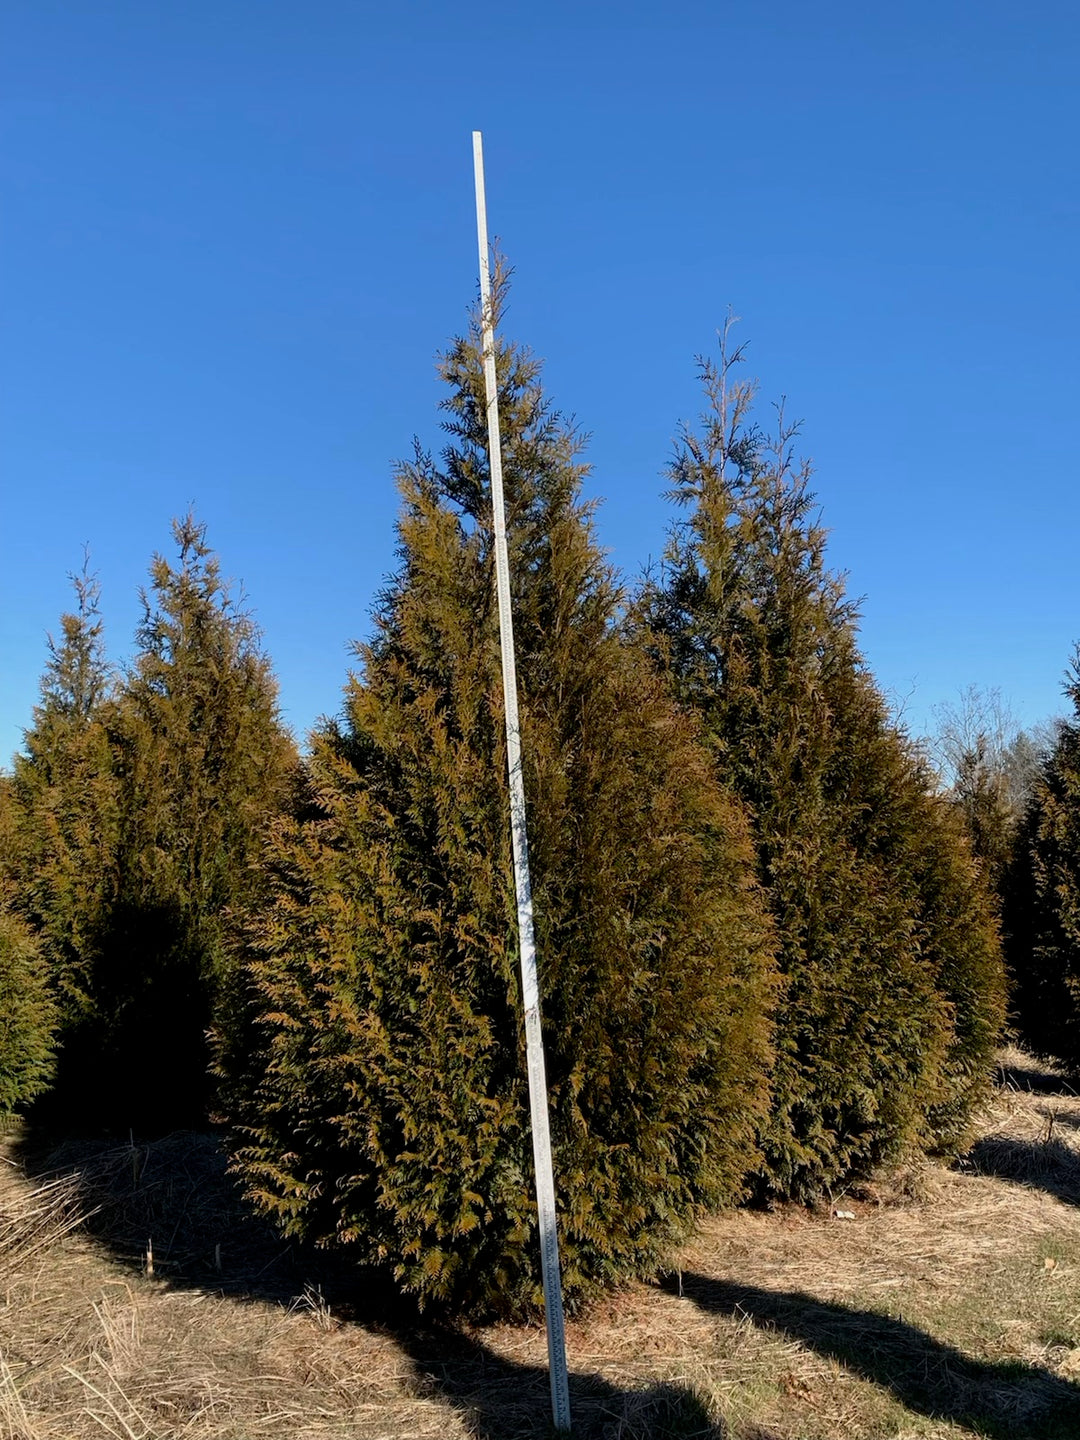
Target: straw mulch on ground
138, 1301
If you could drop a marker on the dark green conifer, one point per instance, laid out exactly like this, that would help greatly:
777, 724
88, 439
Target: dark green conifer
27, 1011
886, 942
981, 795
27, 1015
135, 808
201, 760
60, 861
386, 1106
1042, 910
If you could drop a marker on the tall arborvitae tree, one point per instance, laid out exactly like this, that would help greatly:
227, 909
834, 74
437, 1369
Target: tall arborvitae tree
135, 810
1042, 909
385, 1107
27, 1010
61, 860
886, 940
201, 760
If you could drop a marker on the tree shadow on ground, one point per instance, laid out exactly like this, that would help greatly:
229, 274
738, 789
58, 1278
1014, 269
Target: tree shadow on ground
170, 1207
1033, 1079
1069, 1118
174, 1198
1048, 1165
1008, 1401
504, 1400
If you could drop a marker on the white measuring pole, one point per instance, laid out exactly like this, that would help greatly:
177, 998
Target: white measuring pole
538, 1097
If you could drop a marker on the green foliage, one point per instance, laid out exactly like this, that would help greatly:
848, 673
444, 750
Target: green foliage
27, 1015
981, 795
200, 760
886, 941
989, 766
955, 934
1042, 911
27, 1012
60, 859
385, 1105
135, 809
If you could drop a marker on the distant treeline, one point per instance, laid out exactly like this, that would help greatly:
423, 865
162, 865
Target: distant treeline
769, 936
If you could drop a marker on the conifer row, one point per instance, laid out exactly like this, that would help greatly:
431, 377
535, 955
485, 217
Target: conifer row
134, 807
769, 959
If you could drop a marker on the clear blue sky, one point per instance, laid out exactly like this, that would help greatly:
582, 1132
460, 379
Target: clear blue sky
235, 235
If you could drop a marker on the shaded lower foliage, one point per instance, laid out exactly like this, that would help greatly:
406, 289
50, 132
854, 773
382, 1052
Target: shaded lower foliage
138, 1058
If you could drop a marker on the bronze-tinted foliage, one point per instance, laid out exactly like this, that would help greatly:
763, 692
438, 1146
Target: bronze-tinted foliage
386, 1105
201, 760
1042, 904
136, 807
886, 939
61, 858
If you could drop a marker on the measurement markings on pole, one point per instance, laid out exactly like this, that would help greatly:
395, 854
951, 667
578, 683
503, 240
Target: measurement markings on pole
530, 991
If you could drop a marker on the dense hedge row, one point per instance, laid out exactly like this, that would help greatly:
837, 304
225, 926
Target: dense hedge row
769, 956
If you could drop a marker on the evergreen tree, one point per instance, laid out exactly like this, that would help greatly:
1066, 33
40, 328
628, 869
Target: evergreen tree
385, 1107
886, 941
981, 795
135, 810
989, 766
201, 761
27, 1012
1042, 911
60, 859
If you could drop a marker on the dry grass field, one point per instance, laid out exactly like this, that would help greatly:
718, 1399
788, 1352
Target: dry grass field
137, 1302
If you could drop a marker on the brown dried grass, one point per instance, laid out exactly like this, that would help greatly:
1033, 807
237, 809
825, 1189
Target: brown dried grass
949, 1306
33, 1220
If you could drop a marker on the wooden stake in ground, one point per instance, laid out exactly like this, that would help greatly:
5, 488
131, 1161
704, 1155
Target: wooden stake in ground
530, 991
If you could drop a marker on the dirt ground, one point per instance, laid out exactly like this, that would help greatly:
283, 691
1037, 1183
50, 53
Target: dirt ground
941, 1302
